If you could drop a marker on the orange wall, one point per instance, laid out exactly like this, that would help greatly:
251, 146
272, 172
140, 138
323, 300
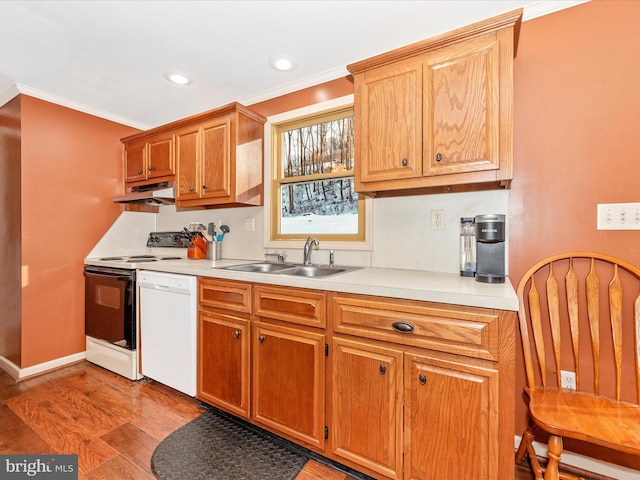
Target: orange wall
307, 96
71, 169
10, 305
577, 115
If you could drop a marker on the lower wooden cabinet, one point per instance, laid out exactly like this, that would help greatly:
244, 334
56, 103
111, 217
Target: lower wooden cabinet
450, 418
399, 389
422, 390
224, 339
367, 406
289, 382
223, 361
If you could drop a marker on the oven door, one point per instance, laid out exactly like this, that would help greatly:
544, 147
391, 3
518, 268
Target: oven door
110, 305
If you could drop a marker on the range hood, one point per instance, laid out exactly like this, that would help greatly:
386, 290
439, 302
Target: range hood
156, 194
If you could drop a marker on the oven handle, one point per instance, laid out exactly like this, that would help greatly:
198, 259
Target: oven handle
120, 278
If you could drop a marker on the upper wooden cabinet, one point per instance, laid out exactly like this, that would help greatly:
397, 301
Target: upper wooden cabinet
150, 159
215, 158
220, 159
438, 115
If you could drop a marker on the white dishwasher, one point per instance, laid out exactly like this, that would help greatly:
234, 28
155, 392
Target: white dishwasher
168, 312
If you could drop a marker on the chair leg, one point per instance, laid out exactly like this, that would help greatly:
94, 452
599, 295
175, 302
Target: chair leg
526, 448
555, 450
527, 437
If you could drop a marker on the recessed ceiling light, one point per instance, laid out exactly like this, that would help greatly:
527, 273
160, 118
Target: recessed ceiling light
282, 63
178, 78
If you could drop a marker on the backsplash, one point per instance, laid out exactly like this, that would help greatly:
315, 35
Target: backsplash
402, 234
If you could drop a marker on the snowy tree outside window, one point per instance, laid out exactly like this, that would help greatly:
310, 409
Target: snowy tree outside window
313, 181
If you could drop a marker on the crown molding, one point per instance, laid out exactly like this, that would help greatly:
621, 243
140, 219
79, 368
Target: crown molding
545, 7
18, 88
291, 87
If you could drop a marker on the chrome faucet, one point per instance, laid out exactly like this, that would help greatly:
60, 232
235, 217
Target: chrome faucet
308, 247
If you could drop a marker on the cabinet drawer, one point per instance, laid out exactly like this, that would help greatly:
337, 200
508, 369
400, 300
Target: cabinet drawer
301, 306
455, 329
225, 294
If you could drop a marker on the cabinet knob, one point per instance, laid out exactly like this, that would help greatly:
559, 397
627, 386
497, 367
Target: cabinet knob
192, 188
402, 327
139, 171
383, 369
205, 186
150, 168
236, 334
422, 378
438, 157
405, 162
261, 338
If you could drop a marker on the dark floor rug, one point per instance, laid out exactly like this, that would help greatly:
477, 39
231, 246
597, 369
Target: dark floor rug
215, 446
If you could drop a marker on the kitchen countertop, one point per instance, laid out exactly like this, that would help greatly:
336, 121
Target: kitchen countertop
447, 288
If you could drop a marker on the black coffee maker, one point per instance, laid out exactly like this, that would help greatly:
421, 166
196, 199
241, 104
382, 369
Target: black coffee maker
490, 248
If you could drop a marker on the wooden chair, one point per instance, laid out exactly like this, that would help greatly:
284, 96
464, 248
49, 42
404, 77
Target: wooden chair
593, 331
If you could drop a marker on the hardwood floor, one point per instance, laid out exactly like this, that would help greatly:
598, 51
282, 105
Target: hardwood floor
113, 424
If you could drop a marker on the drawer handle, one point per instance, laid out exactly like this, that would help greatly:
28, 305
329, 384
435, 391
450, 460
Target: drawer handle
261, 338
383, 369
236, 334
403, 327
422, 378
405, 162
139, 171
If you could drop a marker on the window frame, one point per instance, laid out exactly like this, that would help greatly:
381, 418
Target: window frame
273, 238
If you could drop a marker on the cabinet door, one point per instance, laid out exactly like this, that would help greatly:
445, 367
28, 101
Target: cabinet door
461, 108
216, 159
160, 161
135, 161
451, 419
288, 382
223, 361
187, 159
366, 421
389, 122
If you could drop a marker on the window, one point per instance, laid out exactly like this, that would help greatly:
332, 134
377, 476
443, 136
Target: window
312, 179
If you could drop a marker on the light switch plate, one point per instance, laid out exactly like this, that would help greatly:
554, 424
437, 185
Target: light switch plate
618, 216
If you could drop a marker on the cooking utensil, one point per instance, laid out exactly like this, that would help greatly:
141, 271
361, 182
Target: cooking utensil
224, 229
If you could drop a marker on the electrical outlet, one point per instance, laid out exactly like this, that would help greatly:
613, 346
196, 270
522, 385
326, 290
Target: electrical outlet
568, 379
618, 216
437, 219
249, 224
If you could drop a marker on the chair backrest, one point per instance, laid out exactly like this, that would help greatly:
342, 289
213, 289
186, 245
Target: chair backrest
589, 323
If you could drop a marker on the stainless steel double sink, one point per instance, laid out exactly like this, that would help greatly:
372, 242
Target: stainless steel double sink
298, 270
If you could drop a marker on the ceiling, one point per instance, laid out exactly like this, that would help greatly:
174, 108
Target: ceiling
108, 58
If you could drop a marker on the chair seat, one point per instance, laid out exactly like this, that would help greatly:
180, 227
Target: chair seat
583, 416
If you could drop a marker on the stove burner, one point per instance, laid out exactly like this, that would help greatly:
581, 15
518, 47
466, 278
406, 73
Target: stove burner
138, 259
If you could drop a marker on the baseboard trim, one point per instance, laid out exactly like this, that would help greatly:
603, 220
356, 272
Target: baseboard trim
9, 367
18, 373
588, 464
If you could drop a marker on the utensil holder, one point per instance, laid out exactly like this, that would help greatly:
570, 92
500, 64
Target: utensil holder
214, 250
